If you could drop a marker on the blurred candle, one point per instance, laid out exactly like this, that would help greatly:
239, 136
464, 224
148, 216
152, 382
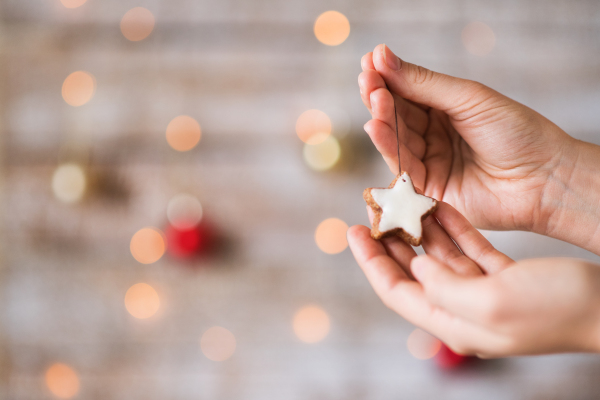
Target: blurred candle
311, 324
330, 236
142, 301
147, 245
183, 133
422, 345
69, 183
137, 24
313, 126
478, 38
332, 28
217, 343
322, 156
78, 88
62, 381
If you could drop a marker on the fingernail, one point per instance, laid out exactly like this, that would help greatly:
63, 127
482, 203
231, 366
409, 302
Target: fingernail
390, 59
417, 266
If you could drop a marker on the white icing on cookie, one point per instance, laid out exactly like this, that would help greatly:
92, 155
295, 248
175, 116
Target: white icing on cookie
402, 207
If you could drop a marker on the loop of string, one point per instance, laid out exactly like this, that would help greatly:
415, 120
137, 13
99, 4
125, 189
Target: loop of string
397, 137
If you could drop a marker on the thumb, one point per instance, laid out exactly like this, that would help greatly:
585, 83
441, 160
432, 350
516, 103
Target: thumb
455, 96
459, 295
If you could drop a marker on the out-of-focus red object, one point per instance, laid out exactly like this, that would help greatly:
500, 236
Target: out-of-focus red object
187, 243
447, 359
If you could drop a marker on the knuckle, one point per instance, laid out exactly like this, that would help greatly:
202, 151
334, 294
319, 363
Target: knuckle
422, 75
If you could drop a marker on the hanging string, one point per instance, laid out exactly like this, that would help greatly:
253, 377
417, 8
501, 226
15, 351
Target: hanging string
397, 137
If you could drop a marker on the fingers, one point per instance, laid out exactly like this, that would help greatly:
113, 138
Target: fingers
438, 156
438, 244
414, 117
366, 62
472, 243
457, 97
384, 140
466, 297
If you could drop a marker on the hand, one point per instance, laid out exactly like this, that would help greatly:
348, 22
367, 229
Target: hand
501, 164
478, 301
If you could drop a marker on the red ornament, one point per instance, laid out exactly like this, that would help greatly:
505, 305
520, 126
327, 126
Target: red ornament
447, 359
187, 243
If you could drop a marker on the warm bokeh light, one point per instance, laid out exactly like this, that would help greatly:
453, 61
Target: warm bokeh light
313, 126
183, 133
137, 24
478, 38
324, 155
69, 183
332, 28
62, 381
142, 301
78, 88
72, 3
422, 345
184, 211
330, 236
311, 324
217, 343
147, 245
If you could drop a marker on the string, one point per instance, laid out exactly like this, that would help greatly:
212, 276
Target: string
397, 139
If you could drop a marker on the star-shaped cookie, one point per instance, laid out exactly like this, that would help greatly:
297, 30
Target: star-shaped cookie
399, 210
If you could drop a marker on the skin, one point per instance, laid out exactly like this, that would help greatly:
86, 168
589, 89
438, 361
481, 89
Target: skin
505, 167
477, 300
501, 164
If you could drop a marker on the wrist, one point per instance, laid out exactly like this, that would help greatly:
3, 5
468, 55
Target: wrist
571, 196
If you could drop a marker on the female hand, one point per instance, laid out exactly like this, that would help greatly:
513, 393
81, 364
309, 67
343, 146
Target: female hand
476, 299
501, 164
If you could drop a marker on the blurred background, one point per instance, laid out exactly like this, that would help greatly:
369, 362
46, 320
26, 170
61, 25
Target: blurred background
177, 178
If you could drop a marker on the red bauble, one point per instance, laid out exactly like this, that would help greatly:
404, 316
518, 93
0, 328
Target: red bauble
447, 359
189, 242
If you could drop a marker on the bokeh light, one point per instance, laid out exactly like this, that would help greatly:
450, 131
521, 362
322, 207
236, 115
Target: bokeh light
313, 126
184, 211
62, 381
183, 133
330, 236
69, 183
478, 38
422, 345
311, 324
137, 24
72, 3
217, 343
324, 155
142, 301
147, 245
78, 88
332, 28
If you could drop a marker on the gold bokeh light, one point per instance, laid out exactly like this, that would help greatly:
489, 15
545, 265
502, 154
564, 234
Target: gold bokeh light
69, 183
478, 38
332, 28
147, 245
217, 343
137, 24
72, 3
183, 133
311, 324
78, 88
422, 345
142, 301
330, 236
322, 156
62, 381
313, 126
